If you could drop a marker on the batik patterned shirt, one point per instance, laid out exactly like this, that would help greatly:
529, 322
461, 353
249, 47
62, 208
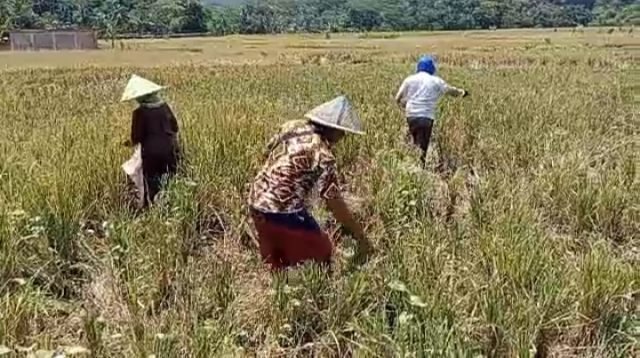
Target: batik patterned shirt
299, 160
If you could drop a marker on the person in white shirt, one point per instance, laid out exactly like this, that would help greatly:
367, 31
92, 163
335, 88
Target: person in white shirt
418, 96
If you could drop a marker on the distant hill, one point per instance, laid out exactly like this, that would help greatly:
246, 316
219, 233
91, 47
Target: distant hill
224, 2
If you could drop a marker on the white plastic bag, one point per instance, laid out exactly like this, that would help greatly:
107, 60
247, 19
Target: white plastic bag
133, 169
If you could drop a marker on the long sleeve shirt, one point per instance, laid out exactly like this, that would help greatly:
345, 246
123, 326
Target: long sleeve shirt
156, 129
419, 94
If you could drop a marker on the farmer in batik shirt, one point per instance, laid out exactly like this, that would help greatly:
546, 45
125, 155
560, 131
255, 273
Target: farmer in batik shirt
300, 158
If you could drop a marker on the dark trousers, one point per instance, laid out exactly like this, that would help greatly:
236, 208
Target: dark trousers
154, 168
420, 129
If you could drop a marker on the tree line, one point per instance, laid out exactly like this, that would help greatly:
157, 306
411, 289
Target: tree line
160, 17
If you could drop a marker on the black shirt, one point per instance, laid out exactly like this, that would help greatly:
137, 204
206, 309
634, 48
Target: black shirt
156, 129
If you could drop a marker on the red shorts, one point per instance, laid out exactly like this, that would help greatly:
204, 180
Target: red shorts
288, 240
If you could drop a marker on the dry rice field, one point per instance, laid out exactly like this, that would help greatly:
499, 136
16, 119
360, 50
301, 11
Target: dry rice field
522, 239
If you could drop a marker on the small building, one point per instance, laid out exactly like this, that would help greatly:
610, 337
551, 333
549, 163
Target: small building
33, 40
4, 40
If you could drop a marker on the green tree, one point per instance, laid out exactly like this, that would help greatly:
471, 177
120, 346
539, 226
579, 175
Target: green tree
578, 15
257, 19
17, 14
167, 17
490, 14
630, 15
394, 16
364, 19
224, 20
516, 14
55, 12
456, 14
194, 17
111, 17
613, 12
87, 12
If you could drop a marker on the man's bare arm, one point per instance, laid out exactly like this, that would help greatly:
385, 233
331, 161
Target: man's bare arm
343, 215
400, 96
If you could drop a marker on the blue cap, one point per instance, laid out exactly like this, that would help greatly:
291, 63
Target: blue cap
427, 64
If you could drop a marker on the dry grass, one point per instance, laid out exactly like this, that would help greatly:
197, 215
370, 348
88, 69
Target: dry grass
521, 239
565, 43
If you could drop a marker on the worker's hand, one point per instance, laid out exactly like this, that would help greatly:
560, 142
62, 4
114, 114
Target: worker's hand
465, 94
342, 213
364, 251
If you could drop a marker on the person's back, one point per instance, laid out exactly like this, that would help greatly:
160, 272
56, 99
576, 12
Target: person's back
422, 92
299, 160
156, 129
418, 96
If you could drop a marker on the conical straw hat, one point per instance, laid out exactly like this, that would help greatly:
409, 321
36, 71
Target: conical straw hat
337, 113
138, 87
